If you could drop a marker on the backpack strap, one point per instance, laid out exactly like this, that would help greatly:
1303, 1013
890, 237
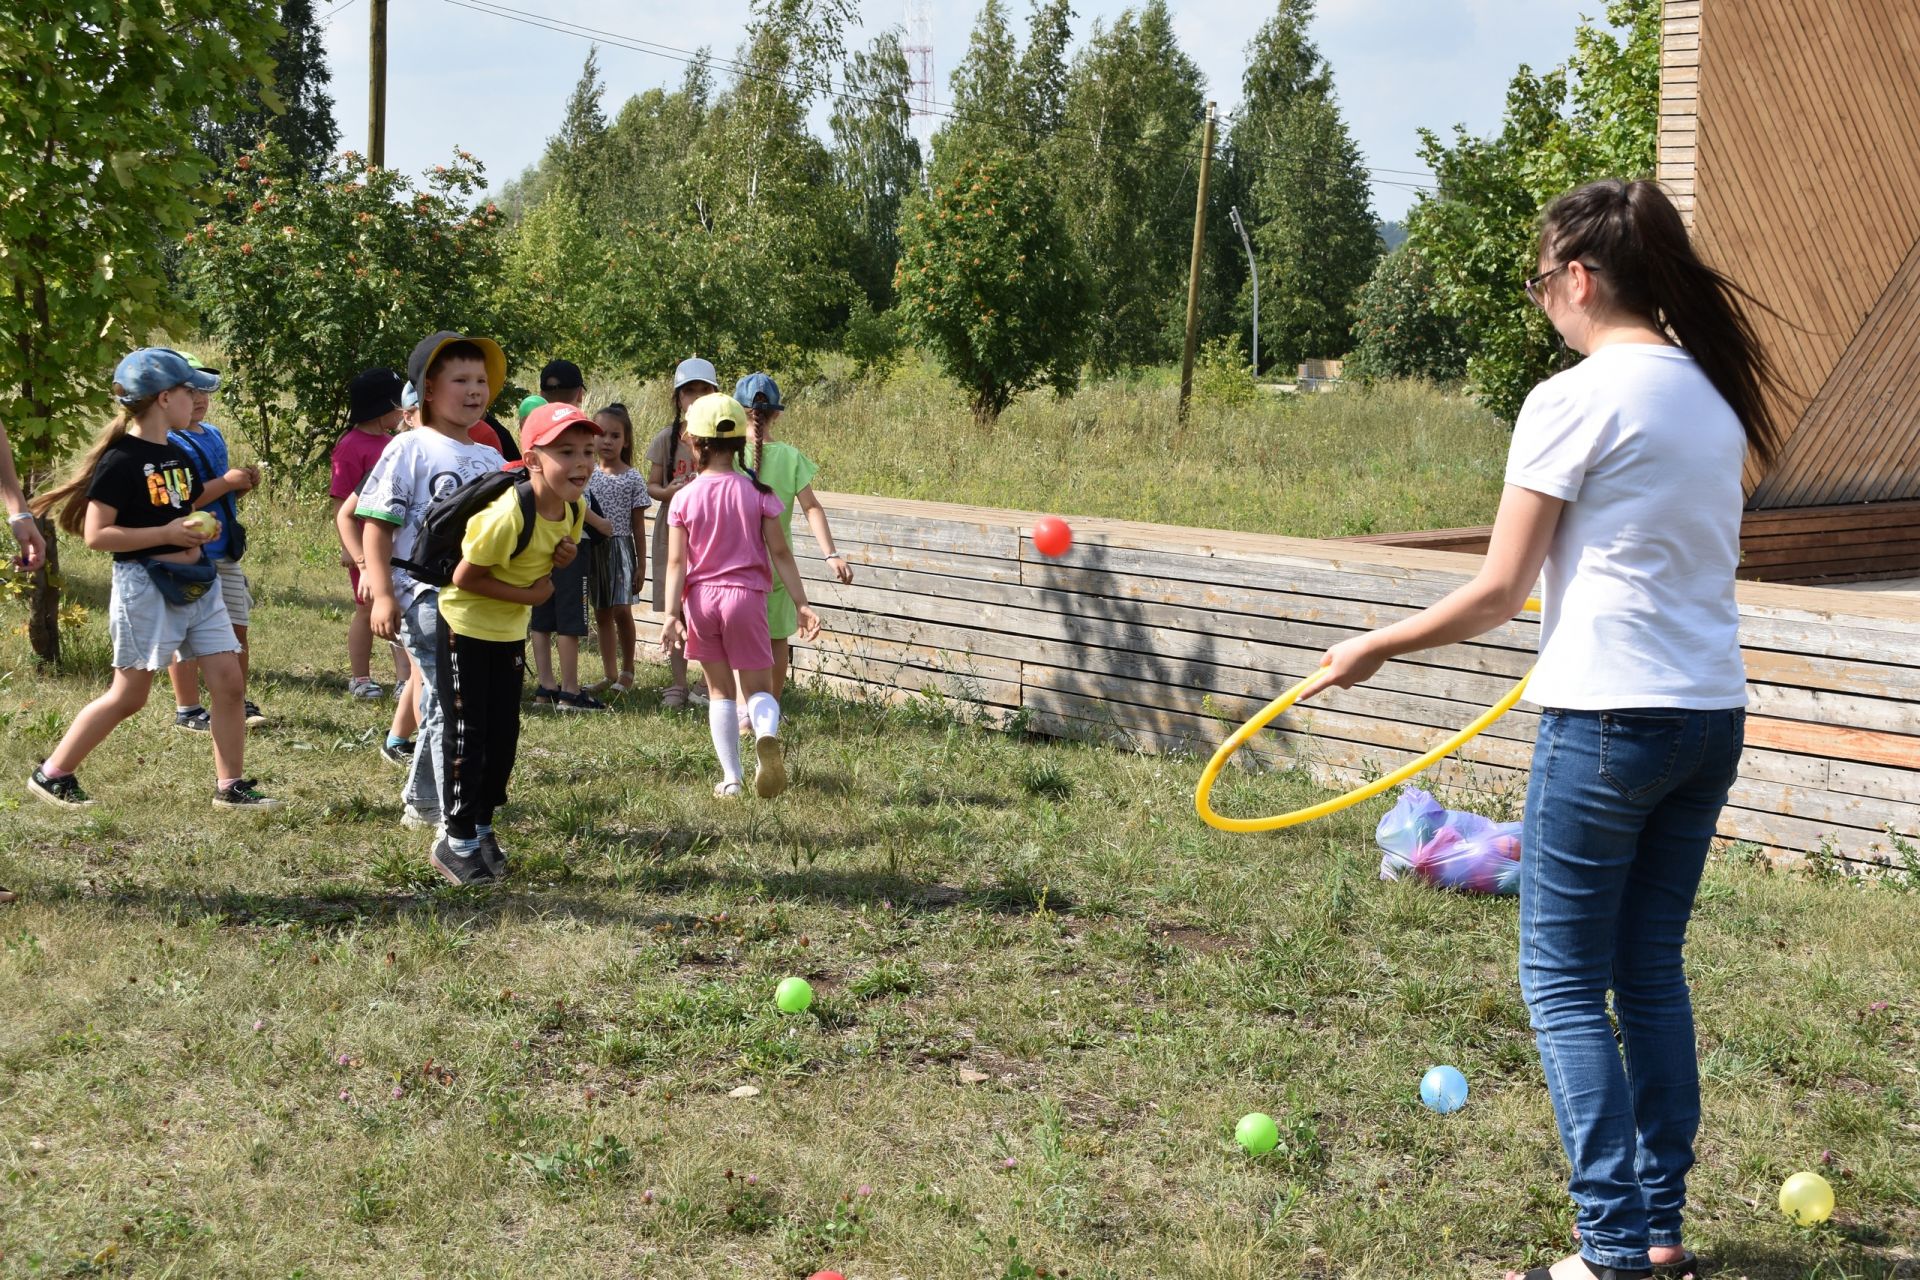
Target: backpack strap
527, 516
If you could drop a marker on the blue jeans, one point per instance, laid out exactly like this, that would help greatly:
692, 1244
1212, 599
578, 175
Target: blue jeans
420, 633
1621, 808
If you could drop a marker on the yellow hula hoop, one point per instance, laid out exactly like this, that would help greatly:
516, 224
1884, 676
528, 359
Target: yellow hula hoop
1203, 794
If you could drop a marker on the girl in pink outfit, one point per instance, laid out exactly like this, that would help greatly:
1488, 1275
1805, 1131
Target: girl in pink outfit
724, 545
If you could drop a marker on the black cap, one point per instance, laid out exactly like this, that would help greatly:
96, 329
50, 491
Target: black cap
561, 375
373, 393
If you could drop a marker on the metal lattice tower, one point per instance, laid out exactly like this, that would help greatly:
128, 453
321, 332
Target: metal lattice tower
918, 47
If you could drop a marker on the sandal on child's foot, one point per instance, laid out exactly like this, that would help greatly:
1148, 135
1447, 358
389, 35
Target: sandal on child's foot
726, 791
675, 696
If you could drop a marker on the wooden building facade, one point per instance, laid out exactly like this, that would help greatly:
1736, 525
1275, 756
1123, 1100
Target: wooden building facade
1790, 138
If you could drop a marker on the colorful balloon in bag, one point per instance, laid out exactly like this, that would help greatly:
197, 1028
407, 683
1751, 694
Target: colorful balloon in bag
1448, 848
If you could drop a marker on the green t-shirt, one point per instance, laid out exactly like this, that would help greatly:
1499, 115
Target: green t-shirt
786, 471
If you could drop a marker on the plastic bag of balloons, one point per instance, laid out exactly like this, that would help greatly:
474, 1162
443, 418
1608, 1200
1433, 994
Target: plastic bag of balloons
1448, 848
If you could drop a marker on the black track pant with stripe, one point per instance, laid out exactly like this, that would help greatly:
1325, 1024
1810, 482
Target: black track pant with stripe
479, 688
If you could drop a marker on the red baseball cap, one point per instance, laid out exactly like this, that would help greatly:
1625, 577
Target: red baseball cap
550, 421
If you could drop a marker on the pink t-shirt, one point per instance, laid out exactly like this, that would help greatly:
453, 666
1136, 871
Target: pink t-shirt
721, 512
353, 457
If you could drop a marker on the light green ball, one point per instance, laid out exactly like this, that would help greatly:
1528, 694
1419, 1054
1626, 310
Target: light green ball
793, 995
1257, 1133
531, 403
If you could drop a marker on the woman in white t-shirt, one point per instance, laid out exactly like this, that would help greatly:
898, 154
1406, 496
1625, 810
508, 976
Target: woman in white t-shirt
1624, 485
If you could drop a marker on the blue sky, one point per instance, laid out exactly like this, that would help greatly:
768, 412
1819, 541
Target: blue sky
496, 86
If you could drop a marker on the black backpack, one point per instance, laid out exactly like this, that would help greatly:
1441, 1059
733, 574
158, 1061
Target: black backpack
436, 553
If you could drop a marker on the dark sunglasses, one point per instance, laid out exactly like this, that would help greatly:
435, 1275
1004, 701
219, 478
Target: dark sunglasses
1533, 283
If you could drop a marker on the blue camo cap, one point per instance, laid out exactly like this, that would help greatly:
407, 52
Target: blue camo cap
757, 390
151, 370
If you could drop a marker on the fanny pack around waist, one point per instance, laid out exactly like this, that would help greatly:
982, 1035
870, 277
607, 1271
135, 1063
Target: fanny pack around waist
182, 583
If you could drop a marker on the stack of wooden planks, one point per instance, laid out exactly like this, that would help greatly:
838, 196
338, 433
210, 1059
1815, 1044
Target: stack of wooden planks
1845, 542
1163, 638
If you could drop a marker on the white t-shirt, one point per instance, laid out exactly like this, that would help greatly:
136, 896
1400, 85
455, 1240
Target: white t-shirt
1638, 608
417, 467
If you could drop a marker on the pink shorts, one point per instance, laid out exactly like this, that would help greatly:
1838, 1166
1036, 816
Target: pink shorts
728, 624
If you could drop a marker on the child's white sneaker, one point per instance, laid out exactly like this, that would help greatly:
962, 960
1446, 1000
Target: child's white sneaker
770, 767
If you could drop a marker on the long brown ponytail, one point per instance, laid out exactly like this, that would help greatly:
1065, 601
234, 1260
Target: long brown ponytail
71, 496
1648, 267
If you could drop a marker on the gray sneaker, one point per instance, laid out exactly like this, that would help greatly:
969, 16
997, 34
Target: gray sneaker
494, 855
460, 869
412, 817
194, 720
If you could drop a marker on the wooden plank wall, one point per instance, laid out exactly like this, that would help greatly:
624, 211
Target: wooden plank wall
1792, 127
1147, 636
1855, 542
1679, 100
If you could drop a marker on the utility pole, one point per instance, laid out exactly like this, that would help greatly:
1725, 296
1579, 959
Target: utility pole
1253, 273
377, 86
1193, 270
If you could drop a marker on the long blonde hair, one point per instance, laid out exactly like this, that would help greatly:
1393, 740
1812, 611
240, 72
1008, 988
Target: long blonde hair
73, 493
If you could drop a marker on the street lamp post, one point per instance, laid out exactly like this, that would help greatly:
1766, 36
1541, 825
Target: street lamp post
1253, 271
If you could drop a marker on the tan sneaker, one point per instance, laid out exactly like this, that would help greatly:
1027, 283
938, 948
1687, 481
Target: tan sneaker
770, 767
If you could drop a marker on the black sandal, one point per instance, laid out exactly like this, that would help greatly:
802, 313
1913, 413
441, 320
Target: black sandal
1598, 1273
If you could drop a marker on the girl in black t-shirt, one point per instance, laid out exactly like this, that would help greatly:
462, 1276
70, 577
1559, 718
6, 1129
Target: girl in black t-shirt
134, 495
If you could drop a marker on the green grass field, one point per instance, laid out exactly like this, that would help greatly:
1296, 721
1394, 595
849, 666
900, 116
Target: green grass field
1398, 457
247, 1046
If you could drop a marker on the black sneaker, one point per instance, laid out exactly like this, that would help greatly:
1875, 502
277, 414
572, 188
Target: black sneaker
545, 697
243, 795
565, 701
195, 719
494, 856
399, 754
460, 869
65, 792
255, 716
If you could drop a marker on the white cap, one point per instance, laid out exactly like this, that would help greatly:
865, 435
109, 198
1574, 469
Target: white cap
695, 370
409, 398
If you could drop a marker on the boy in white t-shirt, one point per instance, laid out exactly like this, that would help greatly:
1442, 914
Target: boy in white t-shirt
458, 377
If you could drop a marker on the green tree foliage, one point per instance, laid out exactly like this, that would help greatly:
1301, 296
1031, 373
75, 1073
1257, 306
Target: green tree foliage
306, 126
690, 225
97, 99
1396, 331
311, 280
1042, 75
992, 282
989, 108
1595, 118
876, 160
1302, 189
1125, 165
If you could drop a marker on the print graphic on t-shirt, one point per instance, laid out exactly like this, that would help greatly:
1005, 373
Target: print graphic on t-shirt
442, 484
169, 485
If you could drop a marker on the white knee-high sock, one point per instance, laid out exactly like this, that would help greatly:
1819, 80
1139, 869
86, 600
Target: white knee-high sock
763, 709
723, 722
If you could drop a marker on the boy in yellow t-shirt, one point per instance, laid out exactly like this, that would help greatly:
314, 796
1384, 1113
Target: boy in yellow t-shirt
484, 615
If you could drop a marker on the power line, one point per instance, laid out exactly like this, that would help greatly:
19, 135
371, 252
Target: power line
690, 57
342, 7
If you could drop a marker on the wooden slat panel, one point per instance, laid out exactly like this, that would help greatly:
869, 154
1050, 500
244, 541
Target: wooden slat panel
1858, 436
1819, 231
1164, 638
